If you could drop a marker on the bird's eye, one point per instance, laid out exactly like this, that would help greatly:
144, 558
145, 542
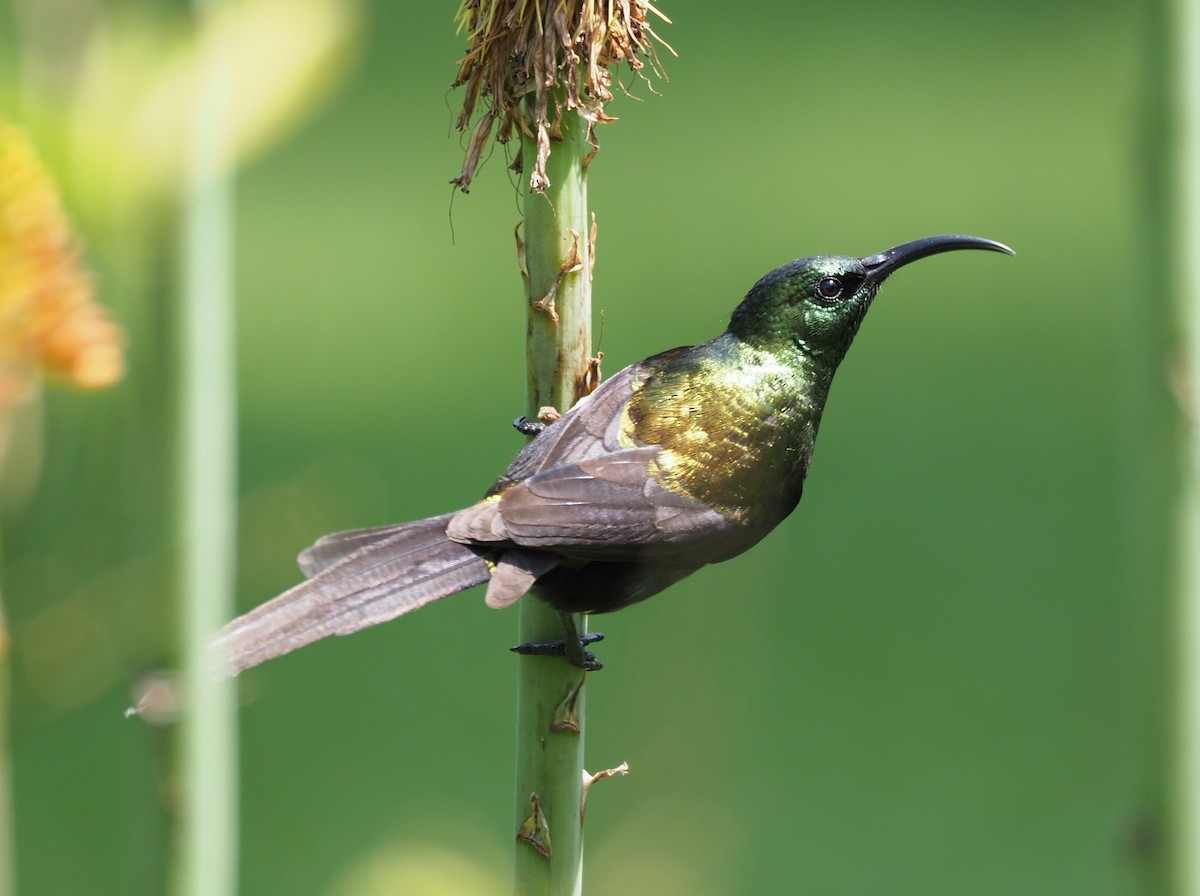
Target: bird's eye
828, 288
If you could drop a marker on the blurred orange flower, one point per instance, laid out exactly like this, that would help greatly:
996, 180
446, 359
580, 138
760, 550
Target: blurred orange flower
49, 322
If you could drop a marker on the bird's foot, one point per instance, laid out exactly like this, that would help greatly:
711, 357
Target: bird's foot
545, 417
527, 427
571, 650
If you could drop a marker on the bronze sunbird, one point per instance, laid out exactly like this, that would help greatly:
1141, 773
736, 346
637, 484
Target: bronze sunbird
684, 459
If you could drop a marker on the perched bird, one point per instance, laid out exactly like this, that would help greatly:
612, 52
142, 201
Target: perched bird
684, 459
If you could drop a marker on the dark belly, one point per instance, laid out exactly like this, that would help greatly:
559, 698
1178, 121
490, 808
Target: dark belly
601, 587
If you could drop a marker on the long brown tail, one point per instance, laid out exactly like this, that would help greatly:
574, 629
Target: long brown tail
358, 579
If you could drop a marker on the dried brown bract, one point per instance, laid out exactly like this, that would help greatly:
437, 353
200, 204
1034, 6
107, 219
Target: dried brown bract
529, 61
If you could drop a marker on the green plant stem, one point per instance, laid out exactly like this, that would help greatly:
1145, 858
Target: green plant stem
1186, 845
1150, 478
207, 501
8, 856
550, 762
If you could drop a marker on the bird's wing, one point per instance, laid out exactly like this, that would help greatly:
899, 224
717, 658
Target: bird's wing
592, 428
589, 429
608, 506
586, 488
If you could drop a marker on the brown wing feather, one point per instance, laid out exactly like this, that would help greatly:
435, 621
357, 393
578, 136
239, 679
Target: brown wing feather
591, 428
585, 489
605, 507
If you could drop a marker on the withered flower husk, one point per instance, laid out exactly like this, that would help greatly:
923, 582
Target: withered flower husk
531, 61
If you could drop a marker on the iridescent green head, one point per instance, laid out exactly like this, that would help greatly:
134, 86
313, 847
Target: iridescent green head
818, 303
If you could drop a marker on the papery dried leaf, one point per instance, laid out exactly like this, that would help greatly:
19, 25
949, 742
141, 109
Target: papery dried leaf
478, 140
535, 830
521, 263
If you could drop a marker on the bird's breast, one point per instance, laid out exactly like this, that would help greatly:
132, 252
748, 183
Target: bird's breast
734, 436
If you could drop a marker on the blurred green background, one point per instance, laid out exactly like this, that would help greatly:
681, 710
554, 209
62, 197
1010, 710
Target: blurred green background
941, 676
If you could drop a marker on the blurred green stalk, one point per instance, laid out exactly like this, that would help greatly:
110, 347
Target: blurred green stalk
207, 846
549, 690
1186, 243
8, 856
1165, 523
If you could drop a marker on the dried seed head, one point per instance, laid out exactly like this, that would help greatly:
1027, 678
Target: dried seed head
529, 61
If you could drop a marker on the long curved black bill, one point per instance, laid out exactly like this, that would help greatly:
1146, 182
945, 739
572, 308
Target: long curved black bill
880, 265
